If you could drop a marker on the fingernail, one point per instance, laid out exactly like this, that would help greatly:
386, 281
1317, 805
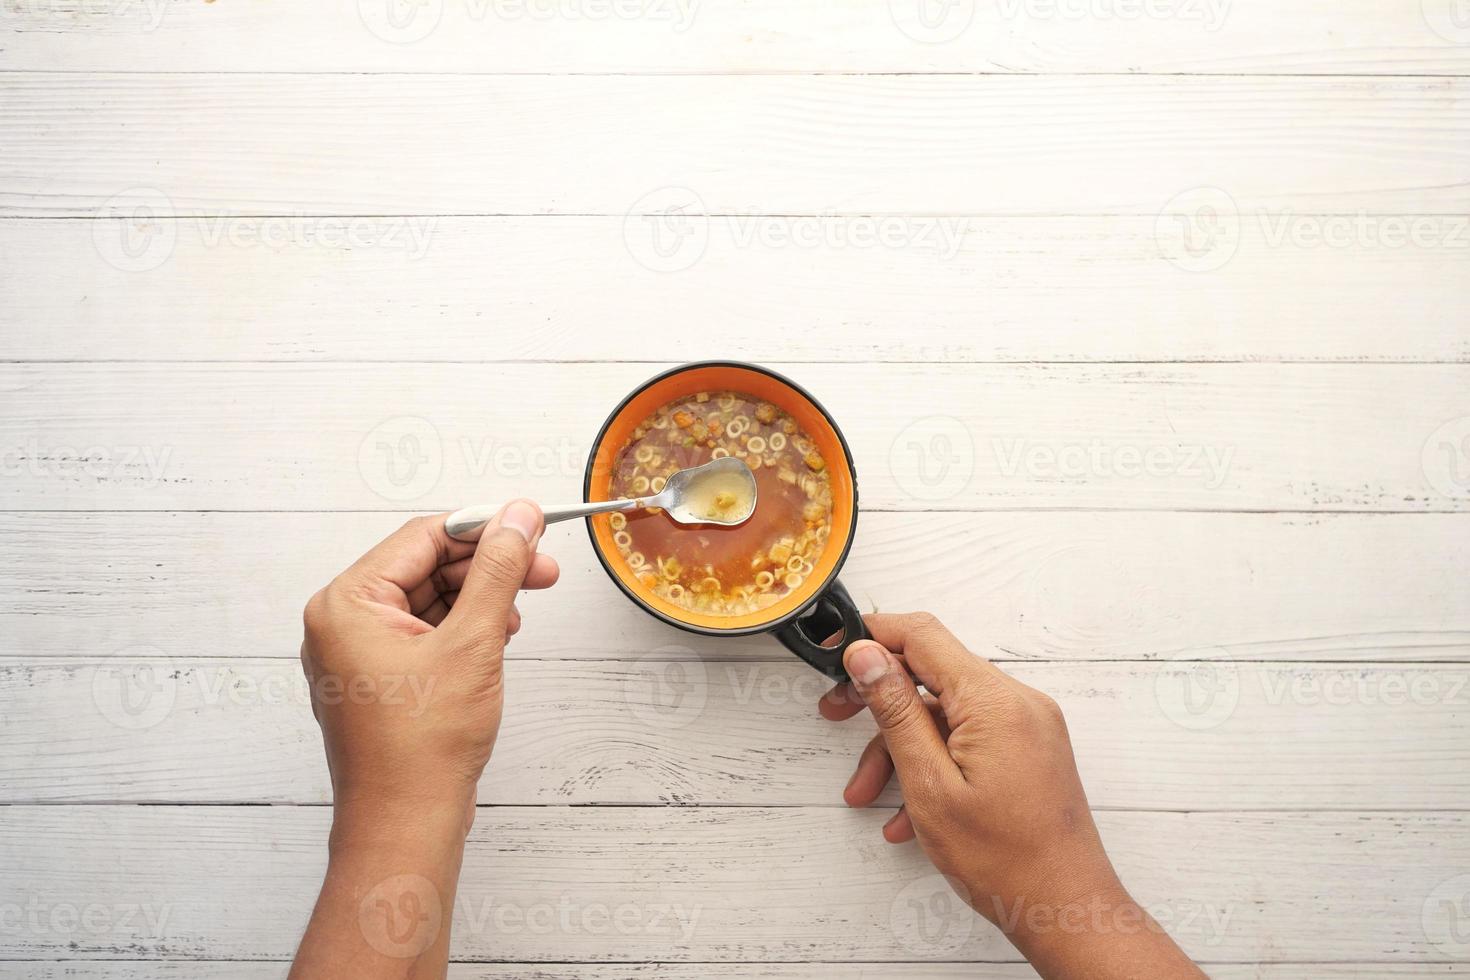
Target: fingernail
523, 517
867, 662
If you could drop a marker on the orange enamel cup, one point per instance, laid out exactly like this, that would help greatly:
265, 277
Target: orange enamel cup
803, 619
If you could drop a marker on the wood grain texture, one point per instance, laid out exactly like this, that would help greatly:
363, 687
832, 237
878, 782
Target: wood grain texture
419, 144
1051, 586
435, 437
238, 883
972, 288
197, 970
1167, 736
1243, 36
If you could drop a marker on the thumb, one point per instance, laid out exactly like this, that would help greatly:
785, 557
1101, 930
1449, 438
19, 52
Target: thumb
496, 573
904, 720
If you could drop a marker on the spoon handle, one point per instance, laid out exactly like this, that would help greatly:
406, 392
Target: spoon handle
467, 524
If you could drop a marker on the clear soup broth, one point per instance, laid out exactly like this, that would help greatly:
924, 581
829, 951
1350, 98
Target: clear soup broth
724, 571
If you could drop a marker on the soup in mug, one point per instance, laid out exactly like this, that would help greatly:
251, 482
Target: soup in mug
710, 569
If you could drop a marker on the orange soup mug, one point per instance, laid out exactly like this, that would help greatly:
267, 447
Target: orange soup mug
803, 618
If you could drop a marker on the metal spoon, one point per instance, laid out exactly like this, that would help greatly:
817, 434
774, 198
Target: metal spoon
719, 492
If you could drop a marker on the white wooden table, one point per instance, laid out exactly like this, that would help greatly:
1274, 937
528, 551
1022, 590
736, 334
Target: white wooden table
1149, 324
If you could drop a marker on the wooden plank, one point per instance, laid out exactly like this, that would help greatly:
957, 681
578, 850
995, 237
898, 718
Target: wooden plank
1054, 586
719, 884
1240, 36
436, 436
421, 144
978, 288
197, 970
1168, 736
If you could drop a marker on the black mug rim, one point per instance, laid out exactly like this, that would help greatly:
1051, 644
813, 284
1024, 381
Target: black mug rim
774, 624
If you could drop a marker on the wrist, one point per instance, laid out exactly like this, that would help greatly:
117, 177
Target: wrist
1097, 929
396, 822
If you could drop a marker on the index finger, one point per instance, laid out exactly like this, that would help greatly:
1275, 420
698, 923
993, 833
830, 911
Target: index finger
930, 651
408, 556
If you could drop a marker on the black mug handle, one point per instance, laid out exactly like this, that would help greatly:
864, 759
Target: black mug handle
834, 610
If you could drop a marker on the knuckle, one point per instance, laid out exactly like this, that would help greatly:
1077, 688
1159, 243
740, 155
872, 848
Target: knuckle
499, 562
924, 622
892, 699
1050, 711
314, 616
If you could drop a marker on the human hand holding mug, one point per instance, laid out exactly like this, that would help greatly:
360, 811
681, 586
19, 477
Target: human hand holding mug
992, 794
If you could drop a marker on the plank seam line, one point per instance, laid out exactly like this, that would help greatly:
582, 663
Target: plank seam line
695, 808
90, 214
771, 73
22, 660
327, 362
